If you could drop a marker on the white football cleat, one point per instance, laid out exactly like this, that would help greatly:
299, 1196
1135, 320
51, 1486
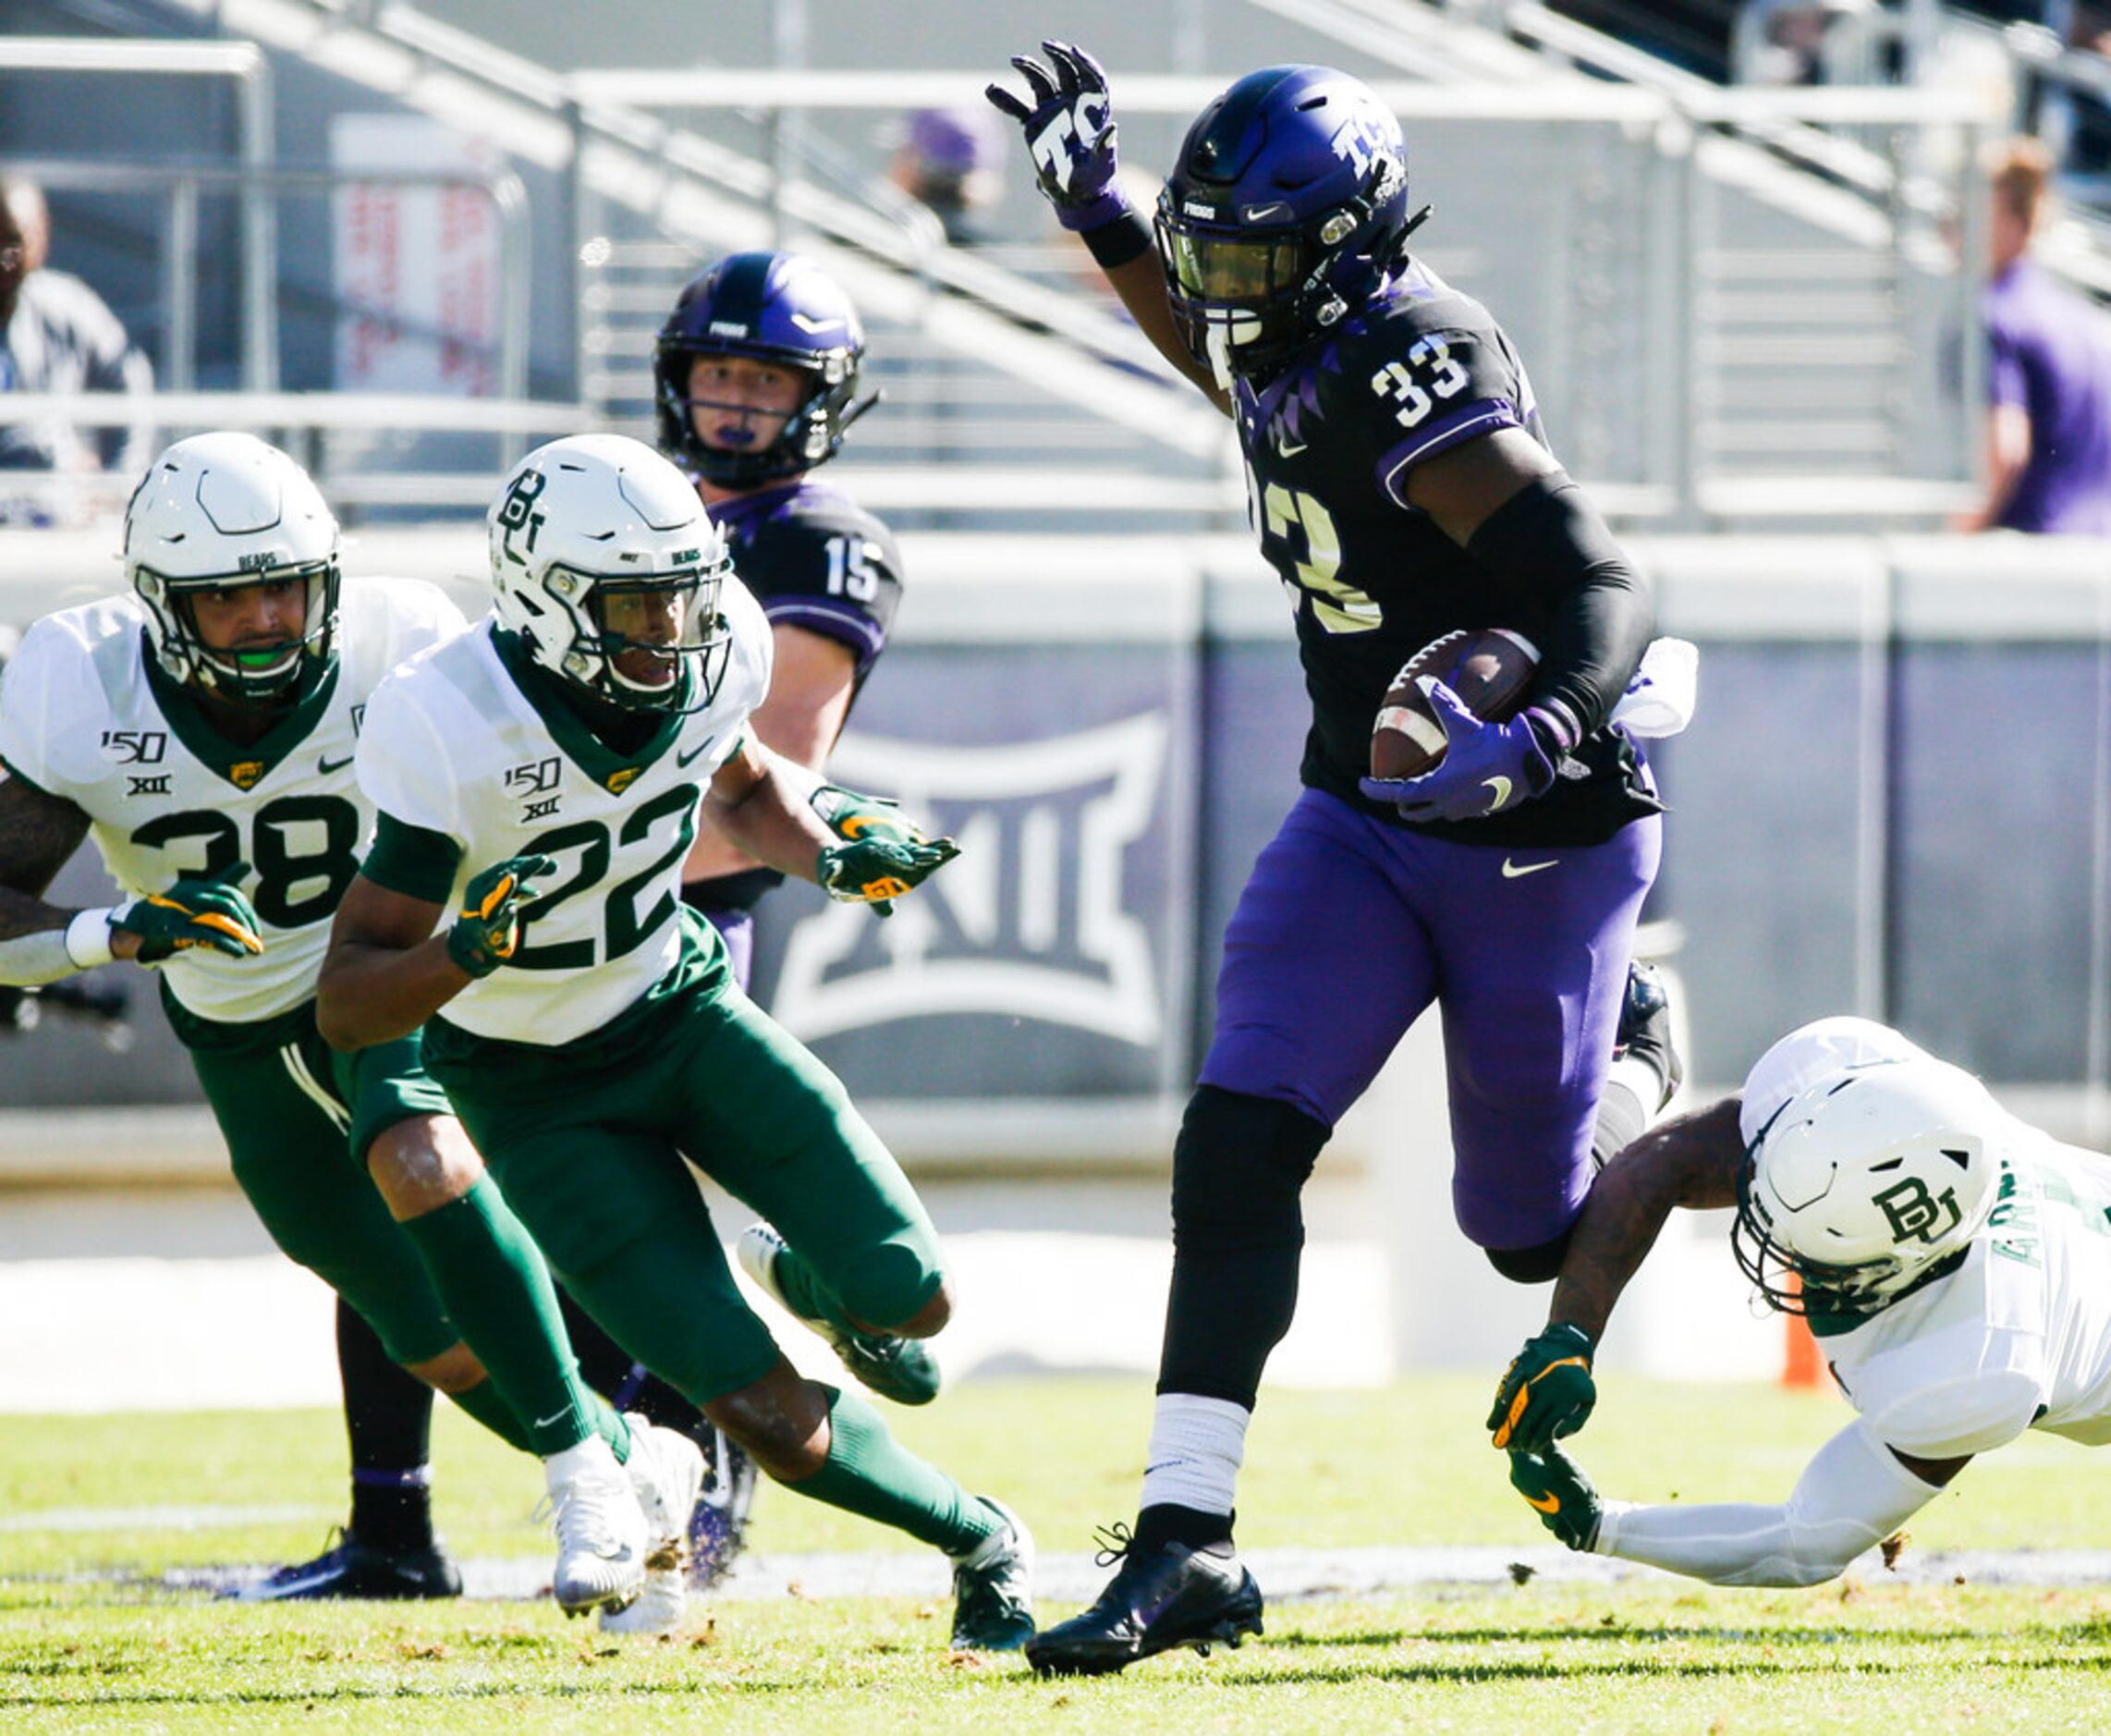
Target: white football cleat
601, 1536
666, 1471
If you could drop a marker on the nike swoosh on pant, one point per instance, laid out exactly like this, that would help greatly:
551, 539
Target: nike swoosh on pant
1517, 871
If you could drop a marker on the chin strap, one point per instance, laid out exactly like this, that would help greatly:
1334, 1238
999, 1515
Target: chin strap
857, 409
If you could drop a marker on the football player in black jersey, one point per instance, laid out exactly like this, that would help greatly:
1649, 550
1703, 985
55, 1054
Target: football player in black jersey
755, 377
1402, 488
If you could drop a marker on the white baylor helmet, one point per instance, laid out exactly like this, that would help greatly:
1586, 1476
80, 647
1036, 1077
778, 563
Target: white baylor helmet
607, 566
1866, 1183
216, 512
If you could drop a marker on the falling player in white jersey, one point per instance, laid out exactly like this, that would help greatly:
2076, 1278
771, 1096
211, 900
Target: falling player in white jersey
538, 782
1954, 1263
202, 729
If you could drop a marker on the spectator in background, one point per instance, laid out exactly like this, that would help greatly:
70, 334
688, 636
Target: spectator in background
1790, 42
57, 336
947, 161
2048, 388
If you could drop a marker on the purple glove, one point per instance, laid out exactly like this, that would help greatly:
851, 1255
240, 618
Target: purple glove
1069, 134
1487, 767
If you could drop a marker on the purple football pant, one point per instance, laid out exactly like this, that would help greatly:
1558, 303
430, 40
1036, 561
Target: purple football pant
735, 928
1349, 927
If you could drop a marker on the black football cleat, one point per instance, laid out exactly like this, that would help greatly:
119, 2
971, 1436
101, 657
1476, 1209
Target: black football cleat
352, 1568
1645, 1028
1172, 1596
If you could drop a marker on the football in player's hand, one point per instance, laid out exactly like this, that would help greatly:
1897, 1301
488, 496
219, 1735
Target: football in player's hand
1489, 668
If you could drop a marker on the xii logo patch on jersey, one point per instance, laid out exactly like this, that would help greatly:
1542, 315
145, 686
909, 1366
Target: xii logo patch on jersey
535, 784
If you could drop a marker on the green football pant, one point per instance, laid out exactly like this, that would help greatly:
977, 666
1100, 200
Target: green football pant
588, 1142
290, 1110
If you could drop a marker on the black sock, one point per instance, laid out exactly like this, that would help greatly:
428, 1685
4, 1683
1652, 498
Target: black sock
1622, 1120
607, 1366
389, 1420
1209, 1533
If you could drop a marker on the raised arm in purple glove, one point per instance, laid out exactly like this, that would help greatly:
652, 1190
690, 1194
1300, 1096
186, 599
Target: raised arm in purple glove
1069, 135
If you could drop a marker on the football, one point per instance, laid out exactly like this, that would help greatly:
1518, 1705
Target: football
1489, 668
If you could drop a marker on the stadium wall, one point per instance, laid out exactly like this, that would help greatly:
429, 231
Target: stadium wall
1893, 801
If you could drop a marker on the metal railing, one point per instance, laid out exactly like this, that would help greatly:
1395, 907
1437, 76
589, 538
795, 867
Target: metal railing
243, 64
181, 186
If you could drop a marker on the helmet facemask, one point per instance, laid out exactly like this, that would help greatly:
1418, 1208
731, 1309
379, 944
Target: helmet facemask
258, 675
657, 643
811, 433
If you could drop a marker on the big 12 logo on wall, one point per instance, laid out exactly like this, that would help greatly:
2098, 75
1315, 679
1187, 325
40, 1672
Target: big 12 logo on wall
1054, 911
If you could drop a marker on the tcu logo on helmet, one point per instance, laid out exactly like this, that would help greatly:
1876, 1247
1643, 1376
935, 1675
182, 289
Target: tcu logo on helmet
1915, 1213
1359, 141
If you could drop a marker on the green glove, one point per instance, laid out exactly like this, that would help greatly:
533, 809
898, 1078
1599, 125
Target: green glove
1547, 1391
207, 911
485, 934
1557, 1490
875, 870
851, 816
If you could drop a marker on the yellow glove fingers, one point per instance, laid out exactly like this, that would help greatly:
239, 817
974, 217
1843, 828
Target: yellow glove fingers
226, 925
1518, 1402
493, 900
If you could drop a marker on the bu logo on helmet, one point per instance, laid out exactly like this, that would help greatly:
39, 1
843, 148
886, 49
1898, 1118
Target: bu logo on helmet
1915, 1213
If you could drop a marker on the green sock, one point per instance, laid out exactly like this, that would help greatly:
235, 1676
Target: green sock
492, 1281
482, 1403
870, 1473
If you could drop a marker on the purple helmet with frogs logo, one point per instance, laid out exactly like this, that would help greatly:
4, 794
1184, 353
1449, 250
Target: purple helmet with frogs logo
1286, 210
774, 307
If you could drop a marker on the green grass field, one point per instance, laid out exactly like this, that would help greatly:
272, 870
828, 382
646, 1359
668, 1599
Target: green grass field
91, 1638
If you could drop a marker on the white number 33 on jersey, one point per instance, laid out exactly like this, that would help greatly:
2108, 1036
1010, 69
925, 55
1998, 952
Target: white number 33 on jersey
1440, 376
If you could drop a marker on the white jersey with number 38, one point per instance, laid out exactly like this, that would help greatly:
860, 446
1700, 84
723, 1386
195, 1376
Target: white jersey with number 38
166, 796
453, 745
2019, 1336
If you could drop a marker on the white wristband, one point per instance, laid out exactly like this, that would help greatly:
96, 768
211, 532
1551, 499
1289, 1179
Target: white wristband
88, 937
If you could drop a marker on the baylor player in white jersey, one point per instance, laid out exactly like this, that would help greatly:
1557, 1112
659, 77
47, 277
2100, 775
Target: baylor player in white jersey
1954, 1263
538, 783
202, 730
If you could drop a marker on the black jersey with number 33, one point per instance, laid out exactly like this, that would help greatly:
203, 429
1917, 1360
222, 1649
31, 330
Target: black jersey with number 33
1329, 444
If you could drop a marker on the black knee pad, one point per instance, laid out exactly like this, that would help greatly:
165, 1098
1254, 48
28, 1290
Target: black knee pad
1238, 1233
1540, 1264
1238, 1167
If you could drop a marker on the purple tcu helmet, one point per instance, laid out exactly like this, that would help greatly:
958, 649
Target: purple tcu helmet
1284, 211
774, 307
